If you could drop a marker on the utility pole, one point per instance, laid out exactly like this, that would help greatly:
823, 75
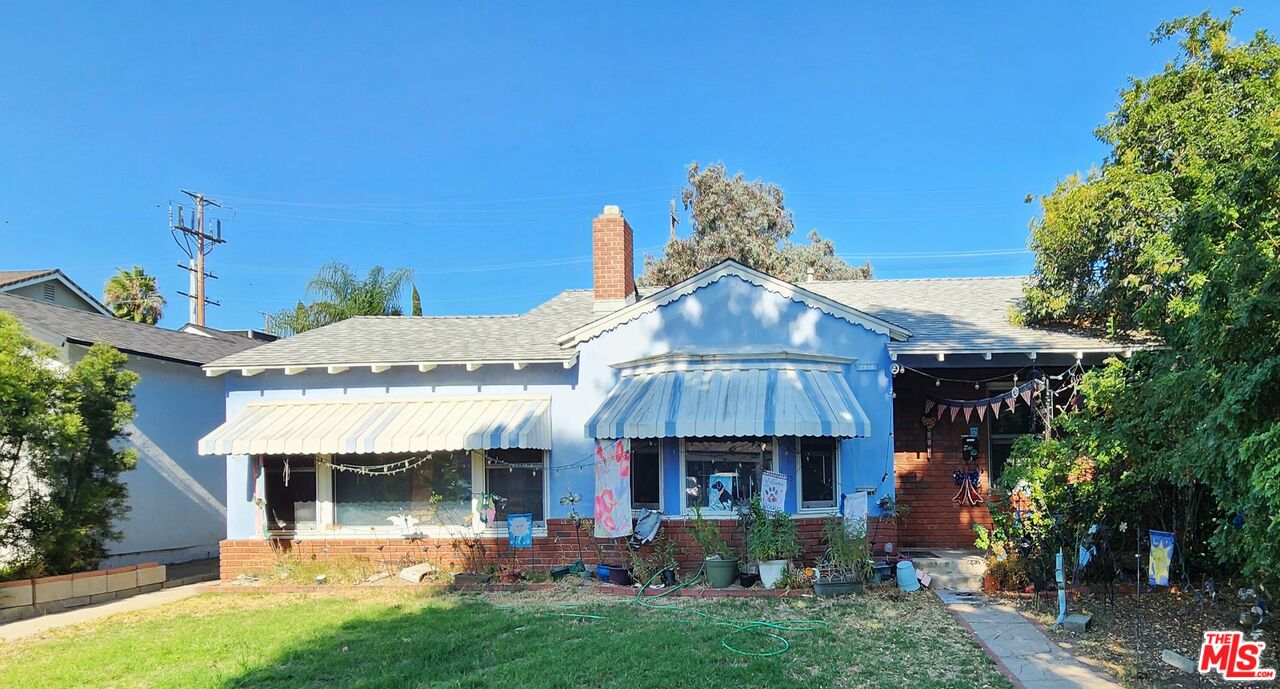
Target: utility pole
197, 242
675, 219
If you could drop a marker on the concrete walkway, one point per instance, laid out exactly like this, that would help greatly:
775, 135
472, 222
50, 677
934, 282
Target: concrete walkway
37, 625
1018, 644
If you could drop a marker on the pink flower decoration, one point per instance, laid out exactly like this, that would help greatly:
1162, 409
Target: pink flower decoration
623, 458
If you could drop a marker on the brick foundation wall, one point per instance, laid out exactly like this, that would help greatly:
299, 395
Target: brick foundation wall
559, 547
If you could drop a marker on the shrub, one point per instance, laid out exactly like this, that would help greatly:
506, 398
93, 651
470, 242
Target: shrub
771, 536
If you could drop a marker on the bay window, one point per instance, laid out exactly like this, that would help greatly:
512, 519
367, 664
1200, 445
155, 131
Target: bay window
511, 478
402, 493
646, 473
289, 485
433, 490
723, 474
817, 464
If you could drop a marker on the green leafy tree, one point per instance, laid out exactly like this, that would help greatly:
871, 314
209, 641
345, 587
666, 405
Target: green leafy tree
747, 221
1176, 237
60, 489
131, 294
337, 294
415, 301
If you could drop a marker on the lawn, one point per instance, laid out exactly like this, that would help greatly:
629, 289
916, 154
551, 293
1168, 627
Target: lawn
396, 638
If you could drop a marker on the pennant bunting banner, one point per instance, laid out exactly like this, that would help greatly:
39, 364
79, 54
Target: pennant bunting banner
1009, 400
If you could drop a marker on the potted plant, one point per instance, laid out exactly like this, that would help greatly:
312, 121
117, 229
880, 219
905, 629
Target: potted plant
847, 565
771, 541
718, 563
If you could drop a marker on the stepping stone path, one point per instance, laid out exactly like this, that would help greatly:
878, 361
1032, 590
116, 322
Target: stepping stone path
1017, 643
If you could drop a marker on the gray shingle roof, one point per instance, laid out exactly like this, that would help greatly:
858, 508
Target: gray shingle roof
949, 314
955, 314
83, 327
528, 336
8, 277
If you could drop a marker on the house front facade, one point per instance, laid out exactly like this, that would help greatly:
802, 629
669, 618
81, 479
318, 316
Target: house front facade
399, 438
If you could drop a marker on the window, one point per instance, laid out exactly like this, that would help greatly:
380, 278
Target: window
403, 499
646, 472
290, 487
519, 486
817, 469
720, 475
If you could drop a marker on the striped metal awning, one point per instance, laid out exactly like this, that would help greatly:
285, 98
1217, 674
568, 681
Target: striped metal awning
383, 426
687, 396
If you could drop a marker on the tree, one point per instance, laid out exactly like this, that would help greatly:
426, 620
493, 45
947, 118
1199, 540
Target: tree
60, 489
132, 295
1177, 237
733, 218
415, 301
338, 294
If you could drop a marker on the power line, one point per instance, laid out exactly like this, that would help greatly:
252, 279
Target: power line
428, 204
977, 253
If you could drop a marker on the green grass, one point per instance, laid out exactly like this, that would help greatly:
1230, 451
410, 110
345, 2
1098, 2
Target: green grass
395, 638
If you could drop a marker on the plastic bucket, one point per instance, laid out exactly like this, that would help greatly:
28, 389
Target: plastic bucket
907, 577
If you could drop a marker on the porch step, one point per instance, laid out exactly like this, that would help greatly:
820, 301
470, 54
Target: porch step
947, 581
957, 569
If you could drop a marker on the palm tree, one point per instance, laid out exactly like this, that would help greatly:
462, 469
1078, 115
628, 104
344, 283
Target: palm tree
338, 294
132, 295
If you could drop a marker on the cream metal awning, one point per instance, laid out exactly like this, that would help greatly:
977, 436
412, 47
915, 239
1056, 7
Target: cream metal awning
347, 426
692, 395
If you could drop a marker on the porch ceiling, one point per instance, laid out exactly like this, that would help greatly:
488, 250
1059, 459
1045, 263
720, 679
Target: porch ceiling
384, 426
751, 397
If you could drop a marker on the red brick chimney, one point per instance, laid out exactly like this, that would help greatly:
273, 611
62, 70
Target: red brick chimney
614, 259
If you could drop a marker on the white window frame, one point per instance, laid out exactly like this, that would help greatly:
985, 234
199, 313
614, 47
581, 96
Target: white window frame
835, 469
662, 479
686, 511
326, 511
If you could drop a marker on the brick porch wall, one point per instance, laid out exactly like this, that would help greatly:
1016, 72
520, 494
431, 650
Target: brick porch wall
559, 547
926, 484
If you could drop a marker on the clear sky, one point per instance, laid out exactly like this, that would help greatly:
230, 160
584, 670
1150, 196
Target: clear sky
474, 142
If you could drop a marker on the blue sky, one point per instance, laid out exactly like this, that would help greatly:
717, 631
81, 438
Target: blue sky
474, 142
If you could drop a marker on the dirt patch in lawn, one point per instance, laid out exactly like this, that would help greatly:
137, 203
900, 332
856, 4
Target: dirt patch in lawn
1167, 620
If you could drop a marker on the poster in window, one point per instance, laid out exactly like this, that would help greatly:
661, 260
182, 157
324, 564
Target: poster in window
720, 491
773, 491
520, 530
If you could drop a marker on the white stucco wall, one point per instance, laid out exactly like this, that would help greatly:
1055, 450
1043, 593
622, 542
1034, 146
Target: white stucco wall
176, 498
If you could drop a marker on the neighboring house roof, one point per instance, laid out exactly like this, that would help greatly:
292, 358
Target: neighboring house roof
957, 315
228, 335
85, 328
13, 279
925, 316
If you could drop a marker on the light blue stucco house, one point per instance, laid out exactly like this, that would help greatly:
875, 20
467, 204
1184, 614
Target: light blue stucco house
177, 510
395, 433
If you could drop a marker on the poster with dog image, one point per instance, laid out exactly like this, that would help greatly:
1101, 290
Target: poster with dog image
720, 492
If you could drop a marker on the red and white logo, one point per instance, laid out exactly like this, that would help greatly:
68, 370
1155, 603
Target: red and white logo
1233, 657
